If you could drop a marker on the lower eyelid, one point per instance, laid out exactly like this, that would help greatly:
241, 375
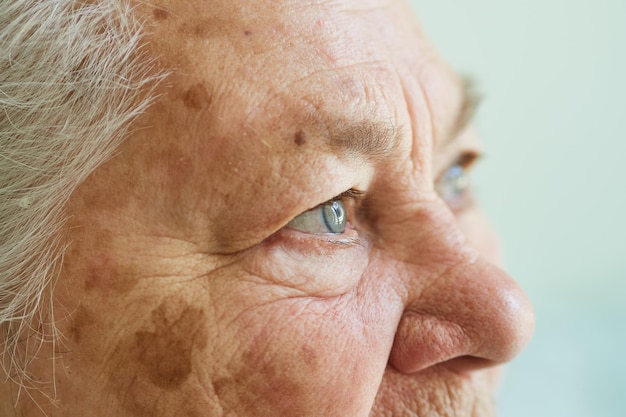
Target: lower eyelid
314, 265
307, 241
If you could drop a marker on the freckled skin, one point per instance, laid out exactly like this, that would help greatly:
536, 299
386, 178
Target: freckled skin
183, 292
160, 354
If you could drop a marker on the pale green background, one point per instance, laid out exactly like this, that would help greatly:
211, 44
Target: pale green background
553, 183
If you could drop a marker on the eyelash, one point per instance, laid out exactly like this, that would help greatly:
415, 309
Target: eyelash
352, 195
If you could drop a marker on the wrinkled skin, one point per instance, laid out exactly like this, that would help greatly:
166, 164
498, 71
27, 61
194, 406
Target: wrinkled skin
185, 293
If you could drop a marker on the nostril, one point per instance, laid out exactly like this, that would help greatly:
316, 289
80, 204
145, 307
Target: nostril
474, 316
466, 364
423, 341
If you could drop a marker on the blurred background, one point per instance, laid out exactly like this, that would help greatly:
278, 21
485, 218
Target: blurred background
553, 182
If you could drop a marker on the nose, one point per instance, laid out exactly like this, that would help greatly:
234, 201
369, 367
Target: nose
466, 315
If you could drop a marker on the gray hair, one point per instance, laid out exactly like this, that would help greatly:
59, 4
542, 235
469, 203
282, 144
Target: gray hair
72, 78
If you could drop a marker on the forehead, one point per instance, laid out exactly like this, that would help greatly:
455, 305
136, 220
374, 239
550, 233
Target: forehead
278, 64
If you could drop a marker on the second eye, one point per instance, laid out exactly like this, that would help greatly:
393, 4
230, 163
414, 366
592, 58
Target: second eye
328, 218
454, 183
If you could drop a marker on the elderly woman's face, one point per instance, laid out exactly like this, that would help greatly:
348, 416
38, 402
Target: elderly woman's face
288, 231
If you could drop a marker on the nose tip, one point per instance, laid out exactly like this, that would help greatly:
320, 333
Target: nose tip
472, 316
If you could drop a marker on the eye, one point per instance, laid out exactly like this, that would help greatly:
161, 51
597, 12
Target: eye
453, 183
454, 186
328, 218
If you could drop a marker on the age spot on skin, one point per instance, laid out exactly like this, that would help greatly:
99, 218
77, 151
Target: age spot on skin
166, 351
248, 33
102, 274
197, 97
300, 138
81, 319
266, 386
160, 14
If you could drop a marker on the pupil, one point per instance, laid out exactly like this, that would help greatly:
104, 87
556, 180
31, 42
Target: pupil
335, 217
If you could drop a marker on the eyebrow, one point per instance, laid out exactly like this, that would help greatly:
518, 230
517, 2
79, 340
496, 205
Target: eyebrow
469, 104
368, 139
376, 139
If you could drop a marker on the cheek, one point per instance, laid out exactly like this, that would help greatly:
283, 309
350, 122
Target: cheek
154, 364
294, 356
284, 354
138, 353
291, 329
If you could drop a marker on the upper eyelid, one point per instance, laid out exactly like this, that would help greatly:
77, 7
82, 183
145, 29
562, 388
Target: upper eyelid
351, 194
465, 160
468, 158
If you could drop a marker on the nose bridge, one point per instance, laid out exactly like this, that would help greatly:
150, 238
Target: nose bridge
459, 309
